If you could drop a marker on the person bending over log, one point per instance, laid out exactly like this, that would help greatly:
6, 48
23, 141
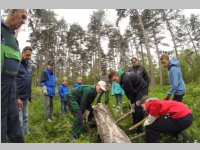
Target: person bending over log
134, 87
79, 101
169, 116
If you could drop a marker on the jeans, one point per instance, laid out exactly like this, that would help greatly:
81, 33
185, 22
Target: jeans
10, 124
118, 98
106, 97
48, 106
64, 107
23, 116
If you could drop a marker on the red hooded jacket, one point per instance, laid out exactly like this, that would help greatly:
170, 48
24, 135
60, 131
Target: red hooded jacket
158, 108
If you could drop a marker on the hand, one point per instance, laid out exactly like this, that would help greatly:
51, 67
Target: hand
20, 104
44, 90
166, 97
85, 116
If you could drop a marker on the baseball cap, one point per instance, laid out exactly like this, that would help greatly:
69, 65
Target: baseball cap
102, 85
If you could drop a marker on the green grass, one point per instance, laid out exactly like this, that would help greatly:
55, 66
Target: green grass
58, 131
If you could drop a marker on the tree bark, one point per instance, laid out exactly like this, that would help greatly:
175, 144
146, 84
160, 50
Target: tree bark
107, 128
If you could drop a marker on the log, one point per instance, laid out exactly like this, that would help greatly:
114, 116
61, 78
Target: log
107, 128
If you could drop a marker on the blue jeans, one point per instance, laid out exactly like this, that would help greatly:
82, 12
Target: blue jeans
23, 116
10, 124
106, 97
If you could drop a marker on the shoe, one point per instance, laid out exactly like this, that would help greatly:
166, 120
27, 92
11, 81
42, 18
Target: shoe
49, 120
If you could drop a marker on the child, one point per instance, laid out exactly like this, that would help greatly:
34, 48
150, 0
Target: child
63, 90
164, 117
118, 92
79, 82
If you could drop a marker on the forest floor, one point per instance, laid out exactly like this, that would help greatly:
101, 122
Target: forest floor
58, 131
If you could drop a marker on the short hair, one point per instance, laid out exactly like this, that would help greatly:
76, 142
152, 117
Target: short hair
134, 58
164, 56
64, 78
27, 48
111, 74
79, 78
10, 11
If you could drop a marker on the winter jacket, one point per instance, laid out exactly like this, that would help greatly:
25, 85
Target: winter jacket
116, 89
158, 108
10, 54
177, 85
49, 80
84, 95
134, 86
140, 70
62, 91
24, 81
77, 84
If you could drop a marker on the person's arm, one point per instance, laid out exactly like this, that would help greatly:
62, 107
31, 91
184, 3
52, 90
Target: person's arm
150, 119
145, 76
173, 80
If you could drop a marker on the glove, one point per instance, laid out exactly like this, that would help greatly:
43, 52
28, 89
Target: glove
20, 104
166, 97
44, 90
85, 116
150, 119
133, 107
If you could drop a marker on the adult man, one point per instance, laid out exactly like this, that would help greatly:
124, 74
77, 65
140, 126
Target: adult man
177, 85
24, 80
80, 100
48, 84
134, 87
104, 77
140, 70
10, 61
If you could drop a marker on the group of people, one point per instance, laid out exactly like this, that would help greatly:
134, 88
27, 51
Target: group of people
170, 115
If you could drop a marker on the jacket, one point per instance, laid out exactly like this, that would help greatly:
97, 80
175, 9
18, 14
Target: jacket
77, 84
24, 81
62, 91
84, 95
134, 86
116, 89
49, 80
177, 85
158, 108
140, 70
10, 54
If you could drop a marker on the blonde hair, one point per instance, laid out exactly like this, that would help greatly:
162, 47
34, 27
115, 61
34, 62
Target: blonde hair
64, 78
79, 79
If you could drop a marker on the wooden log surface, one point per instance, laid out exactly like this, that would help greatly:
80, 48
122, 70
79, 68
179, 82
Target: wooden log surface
107, 128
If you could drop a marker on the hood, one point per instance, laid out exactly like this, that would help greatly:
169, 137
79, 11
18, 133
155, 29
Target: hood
173, 62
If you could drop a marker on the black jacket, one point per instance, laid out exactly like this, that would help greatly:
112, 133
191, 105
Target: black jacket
24, 81
140, 70
134, 86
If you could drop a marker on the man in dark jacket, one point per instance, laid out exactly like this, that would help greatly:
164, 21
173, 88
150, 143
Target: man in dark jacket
48, 84
134, 87
80, 100
24, 80
10, 62
140, 70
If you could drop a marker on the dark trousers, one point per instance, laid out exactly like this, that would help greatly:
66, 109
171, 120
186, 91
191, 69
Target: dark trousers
178, 98
64, 107
48, 106
168, 125
106, 97
10, 124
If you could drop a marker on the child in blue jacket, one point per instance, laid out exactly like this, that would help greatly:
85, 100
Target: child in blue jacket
118, 92
63, 90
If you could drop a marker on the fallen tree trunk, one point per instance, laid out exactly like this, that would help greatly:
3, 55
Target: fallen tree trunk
107, 128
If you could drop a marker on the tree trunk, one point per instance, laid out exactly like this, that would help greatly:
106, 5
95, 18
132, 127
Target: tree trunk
142, 54
107, 128
171, 32
158, 54
148, 50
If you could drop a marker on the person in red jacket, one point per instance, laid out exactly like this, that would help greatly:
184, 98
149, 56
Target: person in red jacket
164, 117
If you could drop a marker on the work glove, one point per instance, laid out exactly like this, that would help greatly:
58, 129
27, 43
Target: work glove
150, 119
20, 104
85, 116
166, 97
44, 90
